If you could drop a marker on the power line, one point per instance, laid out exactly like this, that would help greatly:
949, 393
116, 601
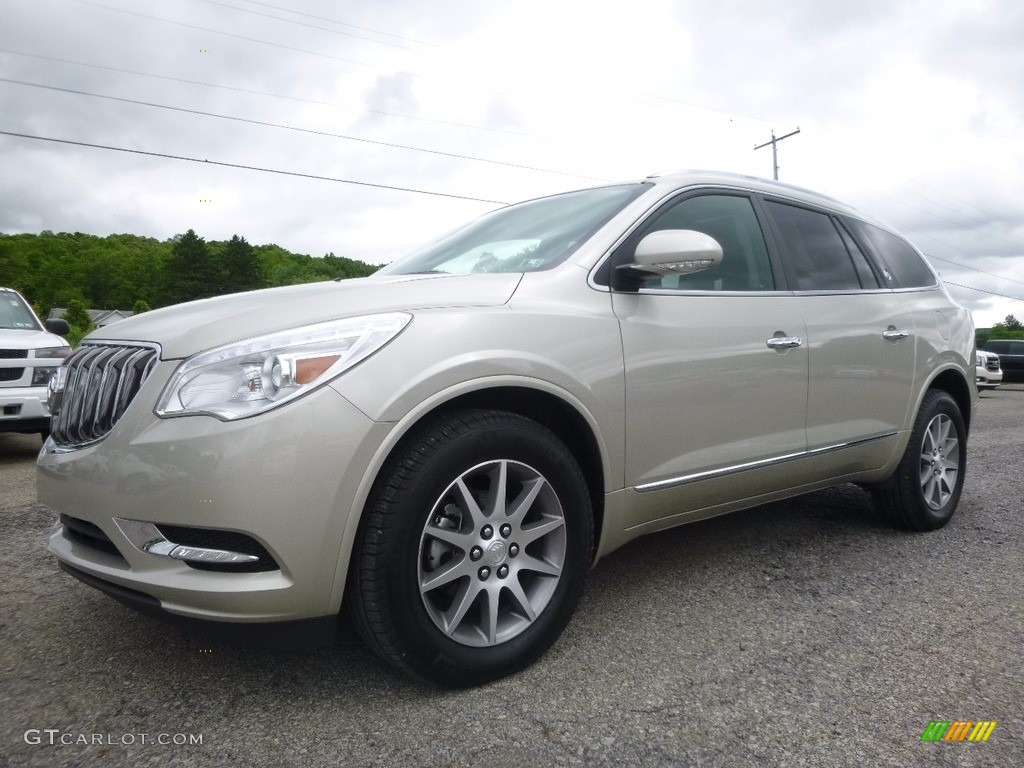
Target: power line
311, 26
261, 93
632, 95
982, 290
974, 269
231, 34
252, 168
296, 128
342, 23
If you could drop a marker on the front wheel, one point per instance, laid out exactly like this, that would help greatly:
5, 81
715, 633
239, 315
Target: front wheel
473, 552
923, 492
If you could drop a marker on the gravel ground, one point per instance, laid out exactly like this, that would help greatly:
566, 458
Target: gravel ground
804, 633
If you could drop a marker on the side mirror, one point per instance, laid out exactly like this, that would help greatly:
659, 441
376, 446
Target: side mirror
57, 326
677, 252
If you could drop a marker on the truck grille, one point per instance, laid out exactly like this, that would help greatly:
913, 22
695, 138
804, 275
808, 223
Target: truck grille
11, 374
992, 363
102, 380
13, 354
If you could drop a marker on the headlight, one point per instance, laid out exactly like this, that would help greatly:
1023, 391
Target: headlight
255, 375
41, 376
51, 352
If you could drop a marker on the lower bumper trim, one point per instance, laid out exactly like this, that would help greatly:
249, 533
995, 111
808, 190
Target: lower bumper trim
300, 633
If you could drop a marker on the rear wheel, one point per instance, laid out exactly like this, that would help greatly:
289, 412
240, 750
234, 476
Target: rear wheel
924, 491
473, 552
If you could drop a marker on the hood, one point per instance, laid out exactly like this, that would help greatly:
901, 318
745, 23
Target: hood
184, 329
19, 339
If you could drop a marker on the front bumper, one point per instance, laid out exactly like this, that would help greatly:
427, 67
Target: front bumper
287, 479
23, 409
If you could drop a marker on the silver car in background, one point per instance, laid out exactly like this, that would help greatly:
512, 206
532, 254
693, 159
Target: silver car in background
447, 446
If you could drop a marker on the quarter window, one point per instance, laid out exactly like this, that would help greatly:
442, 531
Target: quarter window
814, 249
903, 262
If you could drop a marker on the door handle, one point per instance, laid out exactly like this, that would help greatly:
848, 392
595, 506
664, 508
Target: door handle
894, 334
784, 342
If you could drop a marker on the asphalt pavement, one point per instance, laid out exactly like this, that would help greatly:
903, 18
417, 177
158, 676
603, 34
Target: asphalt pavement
802, 633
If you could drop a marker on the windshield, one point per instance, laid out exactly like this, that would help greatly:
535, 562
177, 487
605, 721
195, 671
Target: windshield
521, 238
15, 314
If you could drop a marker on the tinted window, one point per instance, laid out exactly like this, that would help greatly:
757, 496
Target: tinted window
899, 257
729, 219
999, 347
814, 249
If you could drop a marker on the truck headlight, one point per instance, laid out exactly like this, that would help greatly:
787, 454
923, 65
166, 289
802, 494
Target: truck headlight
255, 375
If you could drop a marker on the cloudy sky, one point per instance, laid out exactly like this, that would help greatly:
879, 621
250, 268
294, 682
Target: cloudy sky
912, 111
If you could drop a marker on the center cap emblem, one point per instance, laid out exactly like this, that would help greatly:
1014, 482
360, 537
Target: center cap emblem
496, 552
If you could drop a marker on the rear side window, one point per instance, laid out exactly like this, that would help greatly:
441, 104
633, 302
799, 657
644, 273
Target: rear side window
999, 347
814, 249
898, 256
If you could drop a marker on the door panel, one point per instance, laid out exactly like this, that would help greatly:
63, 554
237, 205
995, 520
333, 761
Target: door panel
860, 382
705, 392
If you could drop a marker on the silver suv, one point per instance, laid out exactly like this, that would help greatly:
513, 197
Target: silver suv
447, 446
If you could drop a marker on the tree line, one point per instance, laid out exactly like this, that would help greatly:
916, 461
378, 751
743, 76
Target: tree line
132, 272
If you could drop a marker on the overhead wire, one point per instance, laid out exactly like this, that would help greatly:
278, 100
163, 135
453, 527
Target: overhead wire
298, 129
262, 93
631, 95
341, 23
982, 290
311, 26
252, 168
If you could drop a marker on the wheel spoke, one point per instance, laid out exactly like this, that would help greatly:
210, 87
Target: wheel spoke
499, 489
520, 597
466, 596
931, 490
525, 500
468, 499
491, 616
457, 539
543, 528
446, 573
528, 563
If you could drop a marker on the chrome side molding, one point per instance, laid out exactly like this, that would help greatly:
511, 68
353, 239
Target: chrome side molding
674, 482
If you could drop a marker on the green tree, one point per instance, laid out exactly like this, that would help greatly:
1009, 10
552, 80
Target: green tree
242, 270
1013, 324
191, 272
79, 321
140, 306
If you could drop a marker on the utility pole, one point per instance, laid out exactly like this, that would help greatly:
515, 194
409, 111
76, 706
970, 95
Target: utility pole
775, 153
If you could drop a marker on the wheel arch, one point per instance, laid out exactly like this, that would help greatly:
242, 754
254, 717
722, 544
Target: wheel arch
556, 414
537, 400
953, 382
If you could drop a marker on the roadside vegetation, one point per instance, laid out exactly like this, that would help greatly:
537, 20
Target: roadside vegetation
79, 271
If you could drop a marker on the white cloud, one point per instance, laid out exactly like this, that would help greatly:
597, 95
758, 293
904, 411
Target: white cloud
911, 110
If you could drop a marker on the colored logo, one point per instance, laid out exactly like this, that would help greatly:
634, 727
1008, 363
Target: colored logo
958, 730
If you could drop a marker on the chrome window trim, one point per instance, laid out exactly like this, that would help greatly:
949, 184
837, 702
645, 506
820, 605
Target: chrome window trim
658, 204
674, 482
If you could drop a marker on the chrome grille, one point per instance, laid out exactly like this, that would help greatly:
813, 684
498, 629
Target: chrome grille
102, 380
992, 363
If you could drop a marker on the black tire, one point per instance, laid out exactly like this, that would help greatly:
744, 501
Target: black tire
924, 491
420, 529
